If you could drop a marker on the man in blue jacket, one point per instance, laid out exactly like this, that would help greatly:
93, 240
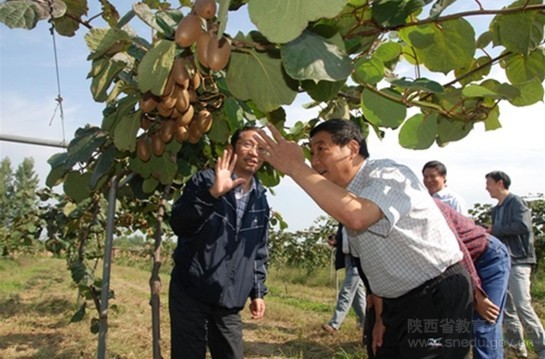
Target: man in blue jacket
221, 220
512, 224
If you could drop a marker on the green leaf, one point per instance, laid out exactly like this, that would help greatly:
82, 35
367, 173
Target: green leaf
530, 92
55, 176
76, 186
259, 77
388, 51
100, 40
323, 90
313, 57
283, 21
476, 70
420, 84
368, 71
68, 24
520, 32
419, 131
381, 111
86, 142
19, 14
520, 68
102, 82
394, 12
492, 121
155, 67
442, 47
125, 131
449, 130
80, 314
105, 163
149, 185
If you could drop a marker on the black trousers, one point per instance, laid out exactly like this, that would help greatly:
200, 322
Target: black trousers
194, 325
431, 321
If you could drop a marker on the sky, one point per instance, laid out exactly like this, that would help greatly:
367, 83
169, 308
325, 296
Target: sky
28, 108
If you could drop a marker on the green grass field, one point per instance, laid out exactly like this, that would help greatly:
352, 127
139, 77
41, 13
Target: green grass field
37, 300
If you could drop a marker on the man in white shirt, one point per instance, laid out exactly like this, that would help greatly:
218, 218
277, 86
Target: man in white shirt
408, 253
435, 180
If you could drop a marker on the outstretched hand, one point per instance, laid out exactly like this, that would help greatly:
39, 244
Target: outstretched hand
286, 156
224, 171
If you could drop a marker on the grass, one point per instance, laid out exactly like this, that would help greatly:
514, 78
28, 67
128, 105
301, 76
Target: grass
37, 300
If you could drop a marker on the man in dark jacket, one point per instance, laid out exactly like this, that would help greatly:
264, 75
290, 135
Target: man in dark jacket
512, 224
221, 220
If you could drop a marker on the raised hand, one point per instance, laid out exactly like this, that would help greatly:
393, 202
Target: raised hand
285, 156
224, 170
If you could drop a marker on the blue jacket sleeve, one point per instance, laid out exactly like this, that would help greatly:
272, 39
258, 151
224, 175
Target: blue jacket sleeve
260, 269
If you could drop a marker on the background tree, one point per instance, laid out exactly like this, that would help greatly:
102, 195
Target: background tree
19, 205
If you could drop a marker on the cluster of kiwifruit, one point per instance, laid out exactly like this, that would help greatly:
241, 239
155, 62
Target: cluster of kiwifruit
212, 52
179, 113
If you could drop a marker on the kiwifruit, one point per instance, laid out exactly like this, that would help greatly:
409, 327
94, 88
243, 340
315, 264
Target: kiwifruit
205, 8
145, 122
181, 133
204, 121
143, 149
194, 133
186, 117
163, 110
182, 99
169, 101
166, 132
179, 72
188, 30
148, 102
157, 145
196, 80
218, 52
169, 85
202, 48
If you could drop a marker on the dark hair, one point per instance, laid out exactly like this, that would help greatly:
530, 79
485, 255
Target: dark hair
500, 176
342, 132
236, 135
436, 165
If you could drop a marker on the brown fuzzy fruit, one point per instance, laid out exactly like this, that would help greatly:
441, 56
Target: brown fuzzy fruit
157, 145
181, 133
204, 121
186, 117
205, 8
202, 48
145, 122
182, 100
148, 102
179, 72
188, 30
143, 149
166, 132
218, 53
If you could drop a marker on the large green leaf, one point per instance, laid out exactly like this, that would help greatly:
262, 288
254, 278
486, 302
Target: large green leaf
100, 40
76, 186
530, 92
68, 24
368, 71
155, 67
323, 90
420, 84
104, 164
19, 14
520, 32
125, 131
259, 77
87, 141
283, 21
394, 12
381, 111
313, 57
103, 80
419, 131
442, 47
450, 131
520, 68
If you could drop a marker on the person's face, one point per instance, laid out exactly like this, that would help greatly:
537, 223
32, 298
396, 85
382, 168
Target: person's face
331, 160
246, 149
433, 181
493, 187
